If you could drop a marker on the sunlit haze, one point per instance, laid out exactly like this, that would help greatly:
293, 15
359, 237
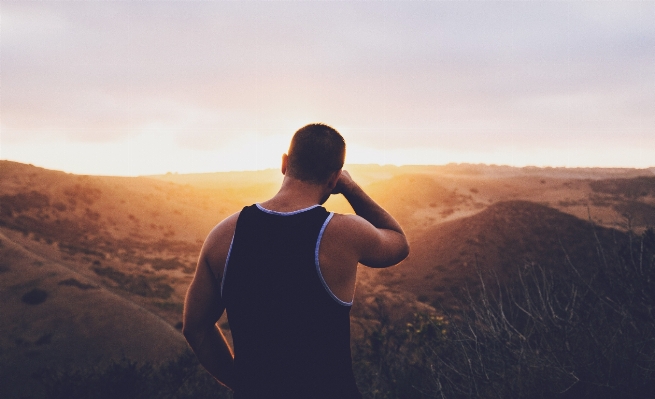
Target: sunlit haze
135, 88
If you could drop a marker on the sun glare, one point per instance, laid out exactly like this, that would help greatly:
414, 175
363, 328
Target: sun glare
157, 152
150, 152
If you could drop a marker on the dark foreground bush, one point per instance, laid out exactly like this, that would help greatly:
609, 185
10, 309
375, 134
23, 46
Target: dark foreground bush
584, 331
179, 379
587, 331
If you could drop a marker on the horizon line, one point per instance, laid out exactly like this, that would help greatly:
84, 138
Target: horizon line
451, 164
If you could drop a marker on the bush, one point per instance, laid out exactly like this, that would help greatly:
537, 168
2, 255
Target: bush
587, 332
178, 379
136, 284
391, 361
35, 296
582, 331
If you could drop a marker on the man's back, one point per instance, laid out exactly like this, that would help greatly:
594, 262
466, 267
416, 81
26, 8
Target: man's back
287, 280
291, 334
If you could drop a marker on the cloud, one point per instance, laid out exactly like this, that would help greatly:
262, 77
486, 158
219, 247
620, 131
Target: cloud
392, 74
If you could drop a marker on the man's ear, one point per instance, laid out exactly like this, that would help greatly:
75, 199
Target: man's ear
285, 163
334, 178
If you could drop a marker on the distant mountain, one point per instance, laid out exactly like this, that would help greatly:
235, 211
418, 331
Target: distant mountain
496, 242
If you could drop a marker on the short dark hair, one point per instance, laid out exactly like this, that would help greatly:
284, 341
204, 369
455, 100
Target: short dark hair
316, 151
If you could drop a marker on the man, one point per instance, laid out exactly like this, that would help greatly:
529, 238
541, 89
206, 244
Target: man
284, 270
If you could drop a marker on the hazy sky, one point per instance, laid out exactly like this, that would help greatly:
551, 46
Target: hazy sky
131, 87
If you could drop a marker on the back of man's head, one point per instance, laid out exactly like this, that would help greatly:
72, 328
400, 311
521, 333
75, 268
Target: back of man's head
316, 151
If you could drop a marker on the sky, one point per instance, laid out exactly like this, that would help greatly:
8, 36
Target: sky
136, 88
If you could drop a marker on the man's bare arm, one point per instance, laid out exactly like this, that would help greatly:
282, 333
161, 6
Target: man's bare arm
383, 245
364, 206
204, 306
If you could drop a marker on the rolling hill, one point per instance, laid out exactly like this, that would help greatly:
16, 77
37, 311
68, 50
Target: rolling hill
94, 268
496, 242
53, 316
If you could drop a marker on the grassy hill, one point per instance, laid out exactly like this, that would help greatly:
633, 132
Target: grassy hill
95, 268
53, 316
498, 241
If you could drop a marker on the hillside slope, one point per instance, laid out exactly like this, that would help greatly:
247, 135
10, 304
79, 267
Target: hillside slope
138, 237
55, 317
94, 268
495, 242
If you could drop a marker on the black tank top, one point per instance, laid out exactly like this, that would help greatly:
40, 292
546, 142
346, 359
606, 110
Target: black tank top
291, 334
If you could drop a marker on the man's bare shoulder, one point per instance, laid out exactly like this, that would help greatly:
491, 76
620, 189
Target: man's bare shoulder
353, 229
375, 247
217, 244
224, 229
348, 222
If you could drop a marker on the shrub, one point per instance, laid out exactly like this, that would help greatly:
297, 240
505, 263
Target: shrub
166, 264
586, 332
21, 202
72, 282
178, 379
136, 284
35, 296
389, 361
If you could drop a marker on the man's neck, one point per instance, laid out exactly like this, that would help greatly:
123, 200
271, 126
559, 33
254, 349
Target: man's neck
296, 194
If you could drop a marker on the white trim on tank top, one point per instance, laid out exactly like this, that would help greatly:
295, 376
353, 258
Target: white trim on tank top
316, 258
229, 251
318, 267
285, 213
227, 260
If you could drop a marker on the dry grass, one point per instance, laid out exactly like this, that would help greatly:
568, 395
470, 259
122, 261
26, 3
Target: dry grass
575, 334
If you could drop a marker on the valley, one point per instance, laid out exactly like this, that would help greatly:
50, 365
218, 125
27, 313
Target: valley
94, 268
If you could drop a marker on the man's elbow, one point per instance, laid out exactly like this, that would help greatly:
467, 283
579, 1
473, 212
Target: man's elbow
404, 252
400, 247
192, 335
392, 258
187, 332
